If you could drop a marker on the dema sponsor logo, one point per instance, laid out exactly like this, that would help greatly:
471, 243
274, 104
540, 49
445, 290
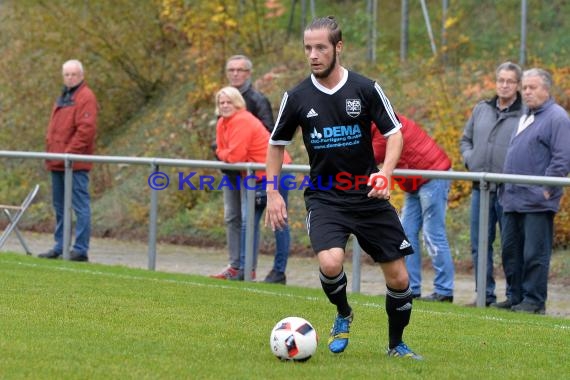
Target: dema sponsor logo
336, 136
342, 131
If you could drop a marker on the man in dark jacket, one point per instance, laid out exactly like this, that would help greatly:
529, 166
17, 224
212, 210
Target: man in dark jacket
238, 71
71, 129
539, 147
484, 145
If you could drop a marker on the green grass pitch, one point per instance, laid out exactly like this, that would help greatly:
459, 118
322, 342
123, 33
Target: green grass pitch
66, 320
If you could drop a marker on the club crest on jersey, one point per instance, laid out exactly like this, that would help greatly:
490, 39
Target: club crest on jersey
353, 107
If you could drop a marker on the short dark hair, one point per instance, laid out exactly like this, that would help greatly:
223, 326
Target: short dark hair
328, 22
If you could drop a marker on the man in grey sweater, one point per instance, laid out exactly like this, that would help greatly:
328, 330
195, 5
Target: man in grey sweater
484, 145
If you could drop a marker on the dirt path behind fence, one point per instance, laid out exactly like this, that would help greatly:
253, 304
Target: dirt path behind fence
301, 271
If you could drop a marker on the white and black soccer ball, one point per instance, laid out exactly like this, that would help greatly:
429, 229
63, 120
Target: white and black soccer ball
293, 338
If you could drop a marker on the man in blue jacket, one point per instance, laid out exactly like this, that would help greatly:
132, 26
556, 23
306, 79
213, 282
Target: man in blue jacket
538, 147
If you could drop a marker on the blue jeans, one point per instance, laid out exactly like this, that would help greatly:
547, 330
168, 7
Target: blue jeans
425, 210
527, 246
81, 204
282, 237
495, 217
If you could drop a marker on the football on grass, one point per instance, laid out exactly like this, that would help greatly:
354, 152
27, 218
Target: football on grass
293, 338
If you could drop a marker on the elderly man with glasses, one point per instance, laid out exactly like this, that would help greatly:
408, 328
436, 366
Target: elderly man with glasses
238, 72
484, 145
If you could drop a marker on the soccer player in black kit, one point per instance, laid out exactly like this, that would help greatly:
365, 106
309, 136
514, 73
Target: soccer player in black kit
349, 195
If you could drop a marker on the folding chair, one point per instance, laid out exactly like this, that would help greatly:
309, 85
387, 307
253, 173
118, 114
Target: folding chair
14, 219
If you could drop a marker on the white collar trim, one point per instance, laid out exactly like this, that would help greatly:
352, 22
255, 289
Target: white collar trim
331, 91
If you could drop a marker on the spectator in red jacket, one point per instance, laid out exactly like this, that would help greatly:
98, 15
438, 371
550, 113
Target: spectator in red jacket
424, 208
72, 129
242, 137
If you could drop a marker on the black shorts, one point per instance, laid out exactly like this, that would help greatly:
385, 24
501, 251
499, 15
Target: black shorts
379, 232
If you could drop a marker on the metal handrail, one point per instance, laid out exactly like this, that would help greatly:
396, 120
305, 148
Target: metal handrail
155, 162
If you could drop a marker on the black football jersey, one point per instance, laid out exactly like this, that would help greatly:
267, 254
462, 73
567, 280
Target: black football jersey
335, 124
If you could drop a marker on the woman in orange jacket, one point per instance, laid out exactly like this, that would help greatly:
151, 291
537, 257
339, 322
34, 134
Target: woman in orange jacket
241, 137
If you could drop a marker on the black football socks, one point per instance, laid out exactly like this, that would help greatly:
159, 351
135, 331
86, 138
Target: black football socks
335, 289
399, 310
